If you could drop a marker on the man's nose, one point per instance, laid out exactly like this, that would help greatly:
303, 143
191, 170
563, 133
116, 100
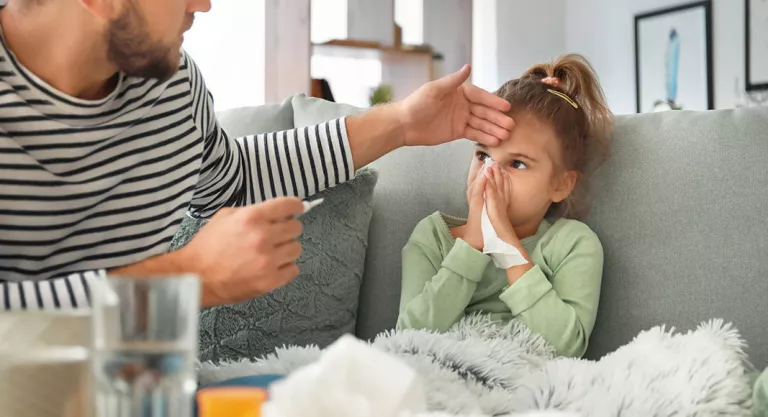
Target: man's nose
202, 6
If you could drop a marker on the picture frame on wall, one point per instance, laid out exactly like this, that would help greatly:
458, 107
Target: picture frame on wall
674, 58
756, 41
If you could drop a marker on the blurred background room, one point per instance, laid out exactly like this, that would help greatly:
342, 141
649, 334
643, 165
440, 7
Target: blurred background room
651, 55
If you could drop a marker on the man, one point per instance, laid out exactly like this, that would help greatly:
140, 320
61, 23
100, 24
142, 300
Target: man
108, 137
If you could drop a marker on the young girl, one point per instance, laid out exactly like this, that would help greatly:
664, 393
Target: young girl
532, 192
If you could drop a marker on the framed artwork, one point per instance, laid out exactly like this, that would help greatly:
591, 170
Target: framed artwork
756, 23
673, 58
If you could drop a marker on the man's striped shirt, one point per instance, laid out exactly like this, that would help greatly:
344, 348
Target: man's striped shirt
86, 186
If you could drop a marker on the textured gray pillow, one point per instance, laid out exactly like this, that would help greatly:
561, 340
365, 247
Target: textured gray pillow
321, 304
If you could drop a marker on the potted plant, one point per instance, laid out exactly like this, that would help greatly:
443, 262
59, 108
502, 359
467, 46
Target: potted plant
380, 95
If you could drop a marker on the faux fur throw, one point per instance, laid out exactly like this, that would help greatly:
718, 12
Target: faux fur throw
482, 369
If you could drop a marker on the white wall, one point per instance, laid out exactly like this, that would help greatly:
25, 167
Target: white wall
485, 62
409, 14
510, 36
361, 20
529, 32
328, 20
371, 20
228, 45
252, 52
448, 28
603, 30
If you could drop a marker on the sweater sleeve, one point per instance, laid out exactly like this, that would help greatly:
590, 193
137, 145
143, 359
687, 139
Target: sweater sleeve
436, 291
68, 292
563, 308
252, 169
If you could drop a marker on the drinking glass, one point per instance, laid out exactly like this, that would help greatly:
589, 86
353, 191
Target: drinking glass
145, 345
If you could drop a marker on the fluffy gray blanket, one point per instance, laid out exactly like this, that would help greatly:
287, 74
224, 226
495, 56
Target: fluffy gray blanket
480, 368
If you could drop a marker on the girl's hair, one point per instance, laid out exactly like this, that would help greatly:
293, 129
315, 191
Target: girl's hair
566, 94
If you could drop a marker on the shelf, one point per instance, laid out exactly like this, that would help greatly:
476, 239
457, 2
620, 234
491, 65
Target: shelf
404, 69
369, 50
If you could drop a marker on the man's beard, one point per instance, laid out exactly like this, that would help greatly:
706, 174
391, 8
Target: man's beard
131, 48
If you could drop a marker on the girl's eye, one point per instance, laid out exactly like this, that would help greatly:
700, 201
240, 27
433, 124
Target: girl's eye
517, 164
480, 155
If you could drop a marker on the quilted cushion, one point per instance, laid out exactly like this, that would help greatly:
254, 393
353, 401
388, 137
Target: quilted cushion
321, 304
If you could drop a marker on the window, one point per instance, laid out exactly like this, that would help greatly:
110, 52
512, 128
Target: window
228, 44
328, 20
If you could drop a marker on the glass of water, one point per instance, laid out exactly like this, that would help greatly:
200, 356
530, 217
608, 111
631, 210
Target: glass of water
145, 346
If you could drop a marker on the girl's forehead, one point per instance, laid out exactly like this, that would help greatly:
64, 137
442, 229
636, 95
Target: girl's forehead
530, 136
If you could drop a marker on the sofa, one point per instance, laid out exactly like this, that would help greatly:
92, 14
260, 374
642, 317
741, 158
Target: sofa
680, 208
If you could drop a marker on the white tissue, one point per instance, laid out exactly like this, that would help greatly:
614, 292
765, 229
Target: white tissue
502, 253
351, 379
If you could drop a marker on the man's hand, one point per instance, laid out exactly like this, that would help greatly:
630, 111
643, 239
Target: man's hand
245, 252
448, 109
440, 111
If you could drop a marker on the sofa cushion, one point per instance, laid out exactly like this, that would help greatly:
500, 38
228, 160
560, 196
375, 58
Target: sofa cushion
246, 121
310, 111
681, 210
321, 304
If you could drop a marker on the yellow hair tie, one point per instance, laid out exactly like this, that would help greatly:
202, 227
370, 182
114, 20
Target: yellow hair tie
564, 97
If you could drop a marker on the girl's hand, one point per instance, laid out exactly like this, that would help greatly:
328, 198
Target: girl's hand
499, 194
473, 234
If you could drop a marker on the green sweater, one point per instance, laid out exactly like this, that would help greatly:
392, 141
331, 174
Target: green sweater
445, 278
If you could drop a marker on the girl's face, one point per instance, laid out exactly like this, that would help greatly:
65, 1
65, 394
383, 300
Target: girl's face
531, 159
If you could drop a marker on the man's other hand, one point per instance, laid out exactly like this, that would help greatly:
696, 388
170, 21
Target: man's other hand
246, 252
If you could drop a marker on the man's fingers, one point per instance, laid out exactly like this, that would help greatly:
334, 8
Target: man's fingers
287, 273
481, 137
276, 209
488, 127
496, 117
279, 278
477, 95
451, 82
288, 253
226, 211
283, 232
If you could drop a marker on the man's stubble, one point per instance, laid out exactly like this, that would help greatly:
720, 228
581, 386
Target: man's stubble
131, 48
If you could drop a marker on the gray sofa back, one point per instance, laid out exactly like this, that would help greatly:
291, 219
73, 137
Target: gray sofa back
681, 209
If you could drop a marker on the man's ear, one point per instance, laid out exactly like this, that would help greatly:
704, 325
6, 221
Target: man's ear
563, 186
102, 9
